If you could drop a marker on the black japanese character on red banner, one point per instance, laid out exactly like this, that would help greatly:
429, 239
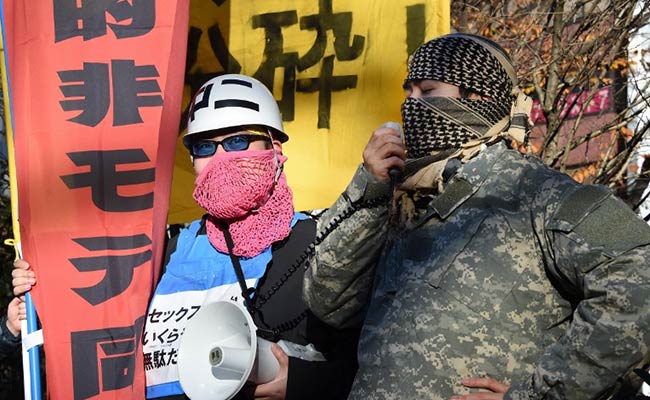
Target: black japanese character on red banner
88, 91
131, 90
104, 359
87, 18
104, 179
118, 268
91, 96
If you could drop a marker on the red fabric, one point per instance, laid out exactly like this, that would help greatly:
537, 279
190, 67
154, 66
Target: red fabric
77, 230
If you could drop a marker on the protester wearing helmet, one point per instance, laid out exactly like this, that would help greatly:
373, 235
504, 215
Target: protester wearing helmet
234, 136
490, 271
250, 247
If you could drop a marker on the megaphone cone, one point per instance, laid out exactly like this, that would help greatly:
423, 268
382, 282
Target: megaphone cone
219, 352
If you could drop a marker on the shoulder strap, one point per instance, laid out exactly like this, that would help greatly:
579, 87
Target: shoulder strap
246, 292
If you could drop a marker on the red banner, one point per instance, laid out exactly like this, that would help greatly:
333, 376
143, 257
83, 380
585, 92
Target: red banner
96, 91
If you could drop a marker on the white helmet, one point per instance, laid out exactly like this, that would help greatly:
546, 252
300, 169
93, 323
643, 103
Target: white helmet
231, 101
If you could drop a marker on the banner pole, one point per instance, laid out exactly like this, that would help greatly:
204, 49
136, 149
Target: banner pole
31, 363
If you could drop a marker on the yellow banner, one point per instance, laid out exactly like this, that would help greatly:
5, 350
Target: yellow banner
335, 67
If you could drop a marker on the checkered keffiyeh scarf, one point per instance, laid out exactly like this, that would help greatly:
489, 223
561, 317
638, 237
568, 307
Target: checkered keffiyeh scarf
440, 123
469, 62
451, 128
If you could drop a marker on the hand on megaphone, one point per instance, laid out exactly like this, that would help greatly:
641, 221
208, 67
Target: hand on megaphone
220, 353
385, 153
278, 369
275, 388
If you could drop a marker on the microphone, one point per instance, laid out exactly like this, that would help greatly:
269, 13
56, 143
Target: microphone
394, 173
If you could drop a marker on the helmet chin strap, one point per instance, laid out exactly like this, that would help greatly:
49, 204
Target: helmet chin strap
278, 170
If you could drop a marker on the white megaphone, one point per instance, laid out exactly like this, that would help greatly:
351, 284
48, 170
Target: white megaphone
219, 352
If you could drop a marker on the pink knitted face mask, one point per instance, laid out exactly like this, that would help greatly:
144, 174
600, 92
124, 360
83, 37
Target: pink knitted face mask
239, 187
237, 182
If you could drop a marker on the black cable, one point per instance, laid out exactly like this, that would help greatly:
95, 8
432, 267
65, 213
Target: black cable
246, 292
255, 305
336, 221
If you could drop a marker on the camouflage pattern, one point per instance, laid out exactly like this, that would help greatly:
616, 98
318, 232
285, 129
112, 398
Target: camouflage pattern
515, 272
347, 265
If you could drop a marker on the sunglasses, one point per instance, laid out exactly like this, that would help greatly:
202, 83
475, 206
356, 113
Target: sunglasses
207, 148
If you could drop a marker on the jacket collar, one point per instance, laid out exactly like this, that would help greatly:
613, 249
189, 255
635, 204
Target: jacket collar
466, 182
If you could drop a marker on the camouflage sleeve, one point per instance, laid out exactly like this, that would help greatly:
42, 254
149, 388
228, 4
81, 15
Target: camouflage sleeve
598, 252
338, 283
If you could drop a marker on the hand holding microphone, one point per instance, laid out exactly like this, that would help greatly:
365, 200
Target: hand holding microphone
385, 153
394, 173
394, 126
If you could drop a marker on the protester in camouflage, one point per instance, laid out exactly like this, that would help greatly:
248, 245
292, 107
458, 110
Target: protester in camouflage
489, 275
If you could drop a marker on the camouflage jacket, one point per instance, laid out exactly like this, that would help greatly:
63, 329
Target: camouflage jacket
514, 271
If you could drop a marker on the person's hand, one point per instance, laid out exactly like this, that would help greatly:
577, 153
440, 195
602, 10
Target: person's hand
384, 151
277, 388
23, 277
15, 313
496, 389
